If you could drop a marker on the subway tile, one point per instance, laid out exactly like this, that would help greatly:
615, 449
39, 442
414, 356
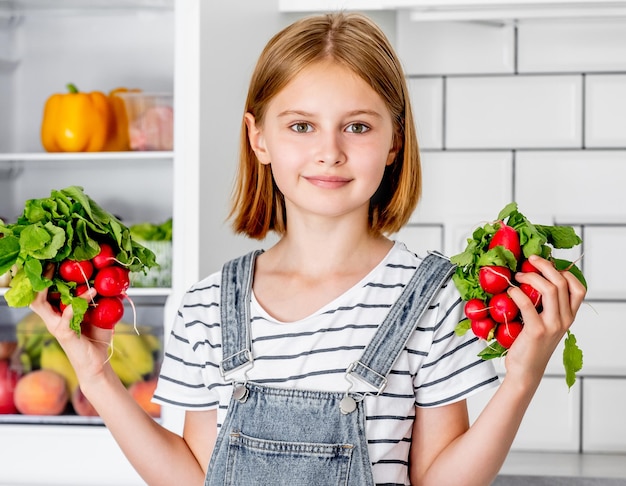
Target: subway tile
571, 186
605, 110
604, 427
605, 273
552, 421
421, 238
427, 104
496, 112
580, 45
453, 192
428, 48
600, 330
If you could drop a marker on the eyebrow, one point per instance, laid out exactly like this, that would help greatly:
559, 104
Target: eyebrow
306, 114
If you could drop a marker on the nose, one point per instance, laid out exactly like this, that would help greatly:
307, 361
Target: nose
330, 149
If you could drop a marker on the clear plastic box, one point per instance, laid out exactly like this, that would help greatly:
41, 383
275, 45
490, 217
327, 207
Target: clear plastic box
150, 120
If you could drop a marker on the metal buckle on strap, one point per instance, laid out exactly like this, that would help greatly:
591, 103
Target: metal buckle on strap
350, 373
246, 365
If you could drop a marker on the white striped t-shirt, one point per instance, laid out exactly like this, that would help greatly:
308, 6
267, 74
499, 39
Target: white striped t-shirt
436, 367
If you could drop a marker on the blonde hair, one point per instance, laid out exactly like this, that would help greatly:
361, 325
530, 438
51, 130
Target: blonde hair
354, 41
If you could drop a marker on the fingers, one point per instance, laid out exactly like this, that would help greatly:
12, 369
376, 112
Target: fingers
562, 293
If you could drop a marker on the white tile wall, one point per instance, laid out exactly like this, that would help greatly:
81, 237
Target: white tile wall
513, 112
605, 110
427, 104
600, 331
604, 427
453, 47
422, 238
603, 271
534, 112
459, 199
572, 45
584, 186
552, 421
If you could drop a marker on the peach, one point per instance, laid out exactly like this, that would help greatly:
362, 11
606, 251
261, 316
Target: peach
82, 406
41, 392
142, 392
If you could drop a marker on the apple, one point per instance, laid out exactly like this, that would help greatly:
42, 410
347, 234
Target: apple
8, 381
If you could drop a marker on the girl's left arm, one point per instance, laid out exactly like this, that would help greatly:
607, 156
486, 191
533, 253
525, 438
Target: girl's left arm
445, 449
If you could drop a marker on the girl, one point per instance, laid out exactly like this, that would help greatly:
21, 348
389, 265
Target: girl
331, 357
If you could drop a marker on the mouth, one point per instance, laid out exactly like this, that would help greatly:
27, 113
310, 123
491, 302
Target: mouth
328, 182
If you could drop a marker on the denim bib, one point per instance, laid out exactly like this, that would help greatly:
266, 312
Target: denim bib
282, 436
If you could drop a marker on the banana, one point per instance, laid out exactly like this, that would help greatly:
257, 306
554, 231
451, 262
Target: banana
54, 358
123, 368
151, 340
131, 359
134, 349
31, 332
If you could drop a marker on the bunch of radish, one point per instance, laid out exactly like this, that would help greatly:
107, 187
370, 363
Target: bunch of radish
486, 269
107, 276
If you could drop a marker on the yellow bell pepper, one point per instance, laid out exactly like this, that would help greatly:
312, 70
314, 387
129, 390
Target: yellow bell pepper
76, 122
118, 125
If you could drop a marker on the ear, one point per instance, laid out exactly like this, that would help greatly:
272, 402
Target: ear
256, 139
393, 151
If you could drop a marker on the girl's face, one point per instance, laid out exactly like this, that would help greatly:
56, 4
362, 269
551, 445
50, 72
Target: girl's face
328, 137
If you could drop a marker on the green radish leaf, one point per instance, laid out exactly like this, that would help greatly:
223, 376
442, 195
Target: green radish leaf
462, 327
560, 236
20, 293
493, 350
33, 270
507, 211
572, 359
561, 265
9, 251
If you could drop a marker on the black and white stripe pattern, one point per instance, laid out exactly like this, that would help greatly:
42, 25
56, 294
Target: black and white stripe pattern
437, 367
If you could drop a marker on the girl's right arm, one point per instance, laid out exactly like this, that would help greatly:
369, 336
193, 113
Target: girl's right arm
159, 455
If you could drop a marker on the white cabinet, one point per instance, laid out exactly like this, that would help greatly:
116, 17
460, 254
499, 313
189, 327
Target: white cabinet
429, 10
97, 45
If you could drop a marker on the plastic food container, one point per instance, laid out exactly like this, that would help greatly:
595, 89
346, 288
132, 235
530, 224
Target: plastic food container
150, 120
161, 275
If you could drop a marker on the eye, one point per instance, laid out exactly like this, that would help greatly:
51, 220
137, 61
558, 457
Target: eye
301, 127
357, 128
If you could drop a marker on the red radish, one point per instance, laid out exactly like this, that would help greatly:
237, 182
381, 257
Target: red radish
507, 333
105, 313
105, 258
502, 308
528, 267
483, 328
533, 294
475, 309
494, 279
111, 281
81, 289
76, 271
507, 237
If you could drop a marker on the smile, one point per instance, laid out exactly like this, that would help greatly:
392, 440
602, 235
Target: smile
327, 182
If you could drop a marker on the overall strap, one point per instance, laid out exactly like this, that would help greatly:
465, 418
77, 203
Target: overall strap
235, 291
392, 335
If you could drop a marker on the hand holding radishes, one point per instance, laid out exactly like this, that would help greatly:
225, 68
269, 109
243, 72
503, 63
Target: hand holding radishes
506, 287
543, 331
87, 246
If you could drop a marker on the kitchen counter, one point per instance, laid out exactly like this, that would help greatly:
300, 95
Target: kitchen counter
562, 469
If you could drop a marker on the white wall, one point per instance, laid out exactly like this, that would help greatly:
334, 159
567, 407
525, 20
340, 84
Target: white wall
536, 113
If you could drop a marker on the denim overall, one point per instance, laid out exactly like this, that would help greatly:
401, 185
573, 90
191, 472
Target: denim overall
279, 436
